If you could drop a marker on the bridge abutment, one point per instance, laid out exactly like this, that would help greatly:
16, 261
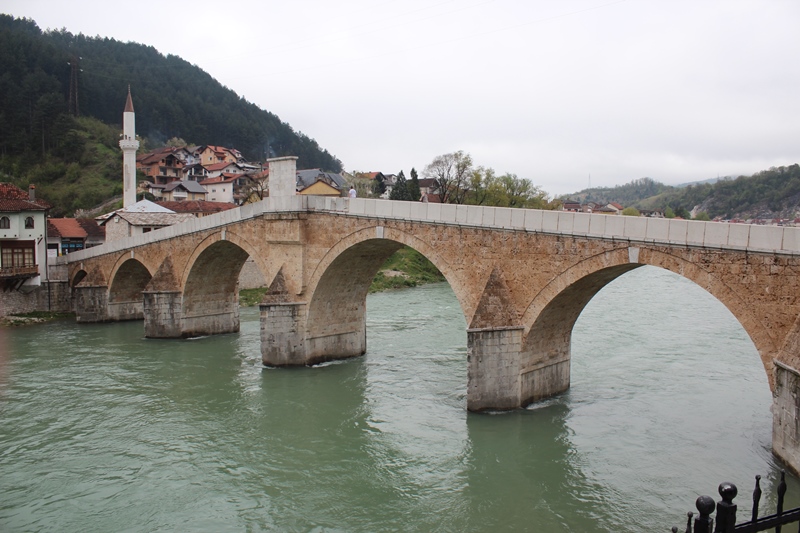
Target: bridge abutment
163, 311
785, 412
91, 303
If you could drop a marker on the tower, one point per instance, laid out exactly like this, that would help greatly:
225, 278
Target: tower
129, 145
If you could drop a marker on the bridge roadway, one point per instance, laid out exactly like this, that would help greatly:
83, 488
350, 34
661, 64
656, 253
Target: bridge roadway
522, 278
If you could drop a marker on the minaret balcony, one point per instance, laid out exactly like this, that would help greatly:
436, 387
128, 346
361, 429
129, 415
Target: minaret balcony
129, 144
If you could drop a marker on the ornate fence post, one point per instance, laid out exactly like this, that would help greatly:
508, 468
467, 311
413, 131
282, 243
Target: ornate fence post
726, 509
756, 499
704, 523
781, 496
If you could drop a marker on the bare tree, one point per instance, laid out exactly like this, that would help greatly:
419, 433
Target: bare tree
254, 189
452, 173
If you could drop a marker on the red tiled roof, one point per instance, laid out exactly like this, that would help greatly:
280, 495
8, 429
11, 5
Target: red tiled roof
197, 206
65, 227
12, 198
72, 228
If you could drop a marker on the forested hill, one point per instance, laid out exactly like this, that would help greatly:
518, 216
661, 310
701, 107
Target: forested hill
769, 194
172, 98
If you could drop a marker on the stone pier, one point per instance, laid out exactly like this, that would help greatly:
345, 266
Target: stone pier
283, 334
91, 303
493, 368
163, 311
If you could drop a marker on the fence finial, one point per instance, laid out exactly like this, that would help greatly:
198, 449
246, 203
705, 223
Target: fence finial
756, 498
704, 522
726, 509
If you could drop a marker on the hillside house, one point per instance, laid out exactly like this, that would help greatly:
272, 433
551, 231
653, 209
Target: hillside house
194, 172
211, 155
23, 238
183, 190
389, 180
161, 166
218, 169
221, 188
316, 182
155, 189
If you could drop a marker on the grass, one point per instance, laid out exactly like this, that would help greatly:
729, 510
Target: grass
35, 317
251, 297
406, 268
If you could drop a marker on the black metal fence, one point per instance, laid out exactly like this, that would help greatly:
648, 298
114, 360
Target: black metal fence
726, 512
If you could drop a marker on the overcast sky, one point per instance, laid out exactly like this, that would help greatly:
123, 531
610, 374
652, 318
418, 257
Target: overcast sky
557, 91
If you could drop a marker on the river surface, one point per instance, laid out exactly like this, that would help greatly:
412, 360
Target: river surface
103, 430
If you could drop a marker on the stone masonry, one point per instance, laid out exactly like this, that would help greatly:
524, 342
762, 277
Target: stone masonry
522, 278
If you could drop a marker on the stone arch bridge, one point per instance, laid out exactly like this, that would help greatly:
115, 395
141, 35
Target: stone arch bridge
522, 278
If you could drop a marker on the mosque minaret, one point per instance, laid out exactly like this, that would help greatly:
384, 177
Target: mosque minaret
129, 145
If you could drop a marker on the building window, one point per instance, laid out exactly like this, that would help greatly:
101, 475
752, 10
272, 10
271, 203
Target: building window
5, 223
29, 223
17, 254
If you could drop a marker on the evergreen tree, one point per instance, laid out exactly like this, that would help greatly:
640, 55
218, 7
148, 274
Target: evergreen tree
379, 187
414, 193
400, 189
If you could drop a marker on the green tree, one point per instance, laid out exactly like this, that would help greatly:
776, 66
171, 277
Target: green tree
414, 193
378, 187
630, 212
400, 189
669, 213
702, 215
176, 142
451, 172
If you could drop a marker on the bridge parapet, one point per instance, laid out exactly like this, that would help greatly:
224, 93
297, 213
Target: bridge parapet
690, 233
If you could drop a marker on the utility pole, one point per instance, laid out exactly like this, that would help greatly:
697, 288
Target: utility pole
73, 86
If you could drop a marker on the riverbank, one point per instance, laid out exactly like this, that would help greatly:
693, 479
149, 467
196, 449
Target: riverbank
36, 317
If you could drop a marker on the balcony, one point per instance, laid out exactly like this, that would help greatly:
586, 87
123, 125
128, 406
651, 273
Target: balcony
19, 272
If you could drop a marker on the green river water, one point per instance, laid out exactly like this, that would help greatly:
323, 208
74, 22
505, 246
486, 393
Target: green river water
103, 430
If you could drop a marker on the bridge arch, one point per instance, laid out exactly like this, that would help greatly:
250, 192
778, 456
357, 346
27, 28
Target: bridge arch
231, 237
209, 281
77, 278
380, 239
129, 277
551, 316
336, 318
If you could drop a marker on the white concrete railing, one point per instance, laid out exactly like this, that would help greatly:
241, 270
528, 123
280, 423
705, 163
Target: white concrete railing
717, 235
